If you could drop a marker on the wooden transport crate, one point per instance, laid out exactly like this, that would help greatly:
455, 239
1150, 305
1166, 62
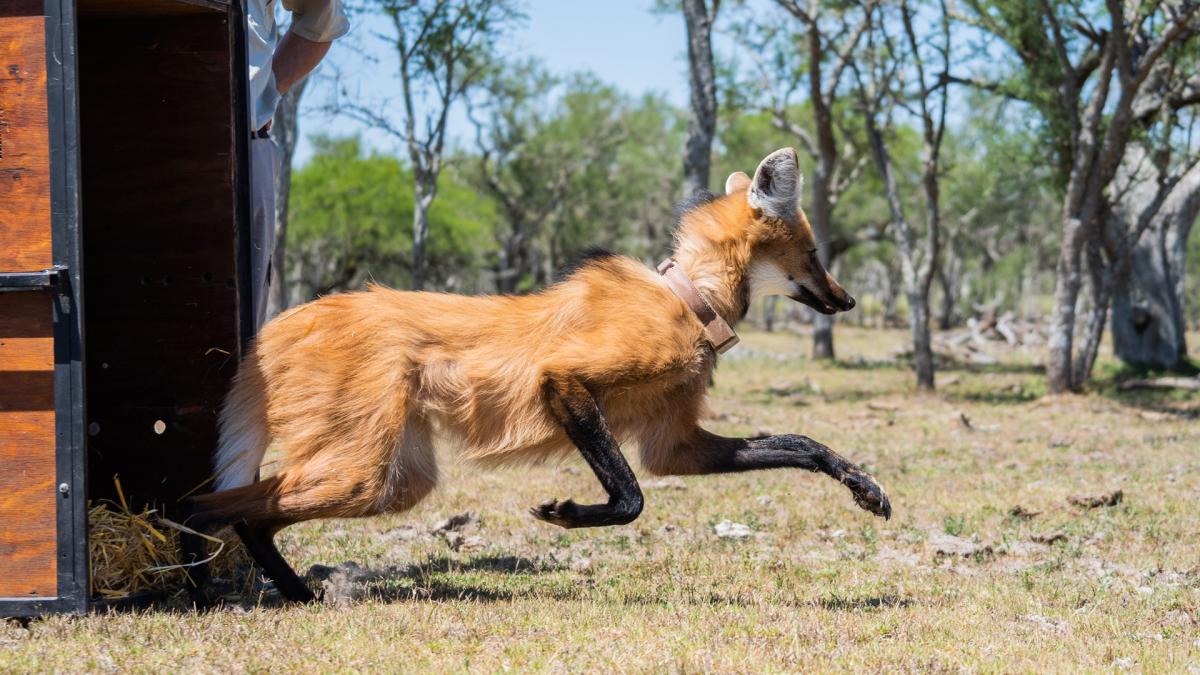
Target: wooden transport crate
124, 267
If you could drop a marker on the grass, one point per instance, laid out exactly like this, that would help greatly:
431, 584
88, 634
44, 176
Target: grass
820, 585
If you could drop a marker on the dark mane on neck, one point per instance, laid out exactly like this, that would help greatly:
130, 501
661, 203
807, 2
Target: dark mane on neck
692, 202
589, 256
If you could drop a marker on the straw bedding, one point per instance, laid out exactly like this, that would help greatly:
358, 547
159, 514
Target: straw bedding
132, 553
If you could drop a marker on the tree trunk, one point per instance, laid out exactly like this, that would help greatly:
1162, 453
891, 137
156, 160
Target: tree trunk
1147, 317
424, 198
1100, 284
819, 218
948, 276
509, 268
1062, 321
702, 119
287, 134
891, 293
916, 280
918, 315
946, 314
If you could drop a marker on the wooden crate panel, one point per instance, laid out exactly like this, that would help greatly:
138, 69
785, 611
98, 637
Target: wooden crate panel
24, 142
24, 343
28, 501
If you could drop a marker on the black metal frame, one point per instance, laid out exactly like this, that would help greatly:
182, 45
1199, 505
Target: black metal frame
63, 281
31, 281
241, 177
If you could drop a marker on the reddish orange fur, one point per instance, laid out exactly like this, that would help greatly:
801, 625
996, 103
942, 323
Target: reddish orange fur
353, 388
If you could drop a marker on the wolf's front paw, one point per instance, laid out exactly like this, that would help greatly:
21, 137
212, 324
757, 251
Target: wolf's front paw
561, 513
867, 493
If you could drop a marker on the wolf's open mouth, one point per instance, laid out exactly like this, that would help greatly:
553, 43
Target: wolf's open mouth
809, 298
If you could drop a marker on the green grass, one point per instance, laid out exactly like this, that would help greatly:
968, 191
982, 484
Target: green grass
820, 586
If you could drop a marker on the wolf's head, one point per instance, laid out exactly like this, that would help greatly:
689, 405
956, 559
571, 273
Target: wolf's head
759, 230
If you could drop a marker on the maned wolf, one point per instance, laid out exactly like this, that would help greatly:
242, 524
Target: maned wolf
353, 389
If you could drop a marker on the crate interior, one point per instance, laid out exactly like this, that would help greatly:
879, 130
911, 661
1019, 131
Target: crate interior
159, 240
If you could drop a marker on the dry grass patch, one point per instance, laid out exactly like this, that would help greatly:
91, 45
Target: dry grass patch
986, 564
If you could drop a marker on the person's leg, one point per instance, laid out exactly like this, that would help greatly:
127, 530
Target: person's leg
263, 170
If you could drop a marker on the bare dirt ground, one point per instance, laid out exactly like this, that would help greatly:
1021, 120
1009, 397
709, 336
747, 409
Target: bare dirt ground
986, 565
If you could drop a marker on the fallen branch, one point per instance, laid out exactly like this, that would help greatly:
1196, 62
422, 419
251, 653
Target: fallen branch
1192, 383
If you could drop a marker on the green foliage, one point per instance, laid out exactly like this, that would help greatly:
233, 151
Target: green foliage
1191, 295
565, 164
571, 163
562, 162
351, 221
1002, 202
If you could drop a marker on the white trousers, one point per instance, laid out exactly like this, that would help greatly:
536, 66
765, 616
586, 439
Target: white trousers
264, 167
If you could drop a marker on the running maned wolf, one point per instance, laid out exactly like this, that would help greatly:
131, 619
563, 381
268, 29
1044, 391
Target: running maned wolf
354, 388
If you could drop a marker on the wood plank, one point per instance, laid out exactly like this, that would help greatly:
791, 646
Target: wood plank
24, 146
23, 353
26, 390
24, 315
28, 502
26, 332
22, 8
28, 540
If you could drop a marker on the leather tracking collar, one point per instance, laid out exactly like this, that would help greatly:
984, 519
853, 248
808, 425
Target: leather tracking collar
719, 333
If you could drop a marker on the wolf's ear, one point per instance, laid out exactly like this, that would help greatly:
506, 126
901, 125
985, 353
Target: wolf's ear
738, 181
776, 186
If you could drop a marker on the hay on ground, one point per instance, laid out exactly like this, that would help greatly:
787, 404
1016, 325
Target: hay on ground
131, 553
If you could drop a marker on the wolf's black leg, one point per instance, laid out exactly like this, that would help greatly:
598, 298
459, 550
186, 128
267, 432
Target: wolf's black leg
576, 409
802, 452
260, 543
199, 576
708, 453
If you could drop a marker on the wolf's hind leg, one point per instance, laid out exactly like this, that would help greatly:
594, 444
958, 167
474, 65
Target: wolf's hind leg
360, 475
576, 409
260, 544
412, 472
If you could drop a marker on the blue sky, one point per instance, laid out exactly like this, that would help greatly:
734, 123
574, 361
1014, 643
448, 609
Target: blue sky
621, 41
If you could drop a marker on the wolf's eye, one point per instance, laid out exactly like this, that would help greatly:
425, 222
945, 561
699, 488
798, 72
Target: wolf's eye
791, 278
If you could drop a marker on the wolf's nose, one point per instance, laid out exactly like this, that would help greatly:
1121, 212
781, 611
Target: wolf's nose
849, 303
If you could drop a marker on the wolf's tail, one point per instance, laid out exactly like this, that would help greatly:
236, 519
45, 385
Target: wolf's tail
243, 429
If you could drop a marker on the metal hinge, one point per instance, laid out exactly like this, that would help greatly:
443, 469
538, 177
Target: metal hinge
46, 280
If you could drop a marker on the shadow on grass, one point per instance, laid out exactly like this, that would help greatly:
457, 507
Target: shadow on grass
948, 365
943, 364
1005, 396
1157, 402
802, 395
1107, 382
484, 579
870, 364
865, 604
837, 604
